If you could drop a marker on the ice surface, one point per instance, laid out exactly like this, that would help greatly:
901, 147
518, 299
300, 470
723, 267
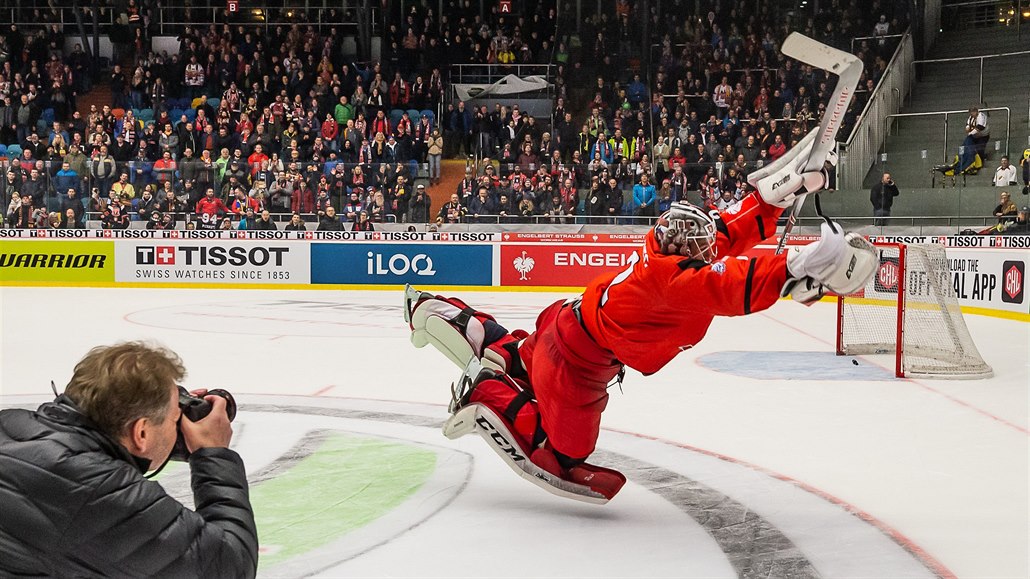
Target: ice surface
811, 467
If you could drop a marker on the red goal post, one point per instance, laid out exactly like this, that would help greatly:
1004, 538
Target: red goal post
909, 309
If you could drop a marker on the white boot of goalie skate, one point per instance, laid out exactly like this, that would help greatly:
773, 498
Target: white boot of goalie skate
451, 330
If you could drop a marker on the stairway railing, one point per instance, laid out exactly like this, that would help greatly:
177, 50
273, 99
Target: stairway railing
946, 114
859, 151
980, 97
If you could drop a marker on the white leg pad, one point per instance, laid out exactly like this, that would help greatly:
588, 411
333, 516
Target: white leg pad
430, 323
493, 430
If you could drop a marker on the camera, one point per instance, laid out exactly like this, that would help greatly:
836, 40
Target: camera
195, 408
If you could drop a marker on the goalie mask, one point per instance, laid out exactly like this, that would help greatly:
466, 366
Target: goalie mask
688, 231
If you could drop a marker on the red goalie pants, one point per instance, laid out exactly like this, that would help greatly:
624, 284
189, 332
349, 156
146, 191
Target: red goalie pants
568, 385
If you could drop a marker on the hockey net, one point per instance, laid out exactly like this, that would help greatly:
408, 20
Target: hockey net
909, 309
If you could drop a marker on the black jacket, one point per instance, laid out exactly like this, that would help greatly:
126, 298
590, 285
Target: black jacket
75, 504
882, 196
326, 223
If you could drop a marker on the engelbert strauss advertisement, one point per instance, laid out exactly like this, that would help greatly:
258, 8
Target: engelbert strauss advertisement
221, 262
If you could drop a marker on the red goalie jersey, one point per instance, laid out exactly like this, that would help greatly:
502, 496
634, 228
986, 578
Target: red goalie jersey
663, 304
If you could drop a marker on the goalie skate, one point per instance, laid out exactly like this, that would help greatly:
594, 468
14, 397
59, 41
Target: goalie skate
495, 432
456, 330
528, 463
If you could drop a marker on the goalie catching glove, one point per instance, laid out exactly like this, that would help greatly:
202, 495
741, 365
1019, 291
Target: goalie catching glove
780, 183
838, 262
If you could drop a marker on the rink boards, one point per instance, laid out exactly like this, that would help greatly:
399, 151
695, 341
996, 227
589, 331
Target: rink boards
988, 272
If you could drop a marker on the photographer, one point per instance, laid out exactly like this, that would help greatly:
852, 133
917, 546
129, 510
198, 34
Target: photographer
882, 197
76, 502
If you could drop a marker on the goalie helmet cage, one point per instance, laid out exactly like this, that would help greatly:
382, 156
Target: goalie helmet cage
909, 308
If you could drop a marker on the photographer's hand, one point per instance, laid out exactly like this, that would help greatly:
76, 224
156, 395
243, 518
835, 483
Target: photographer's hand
212, 431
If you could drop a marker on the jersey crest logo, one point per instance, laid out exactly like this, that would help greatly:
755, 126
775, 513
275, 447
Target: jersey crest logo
719, 267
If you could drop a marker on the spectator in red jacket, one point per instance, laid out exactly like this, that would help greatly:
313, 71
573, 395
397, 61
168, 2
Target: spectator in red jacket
400, 92
777, 149
303, 198
210, 205
256, 159
330, 130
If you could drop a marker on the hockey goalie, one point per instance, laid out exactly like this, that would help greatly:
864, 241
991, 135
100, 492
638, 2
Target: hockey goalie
537, 398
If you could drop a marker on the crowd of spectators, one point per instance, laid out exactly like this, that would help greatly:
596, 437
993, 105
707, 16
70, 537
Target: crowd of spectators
245, 120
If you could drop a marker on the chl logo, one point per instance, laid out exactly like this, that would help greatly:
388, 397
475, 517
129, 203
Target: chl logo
1012, 275
160, 255
887, 276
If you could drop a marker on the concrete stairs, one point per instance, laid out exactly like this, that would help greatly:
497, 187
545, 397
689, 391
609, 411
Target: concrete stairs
917, 144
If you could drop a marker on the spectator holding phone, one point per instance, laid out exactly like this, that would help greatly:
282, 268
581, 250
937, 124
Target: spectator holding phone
882, 197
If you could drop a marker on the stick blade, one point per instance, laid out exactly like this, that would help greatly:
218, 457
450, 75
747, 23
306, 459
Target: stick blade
811, 51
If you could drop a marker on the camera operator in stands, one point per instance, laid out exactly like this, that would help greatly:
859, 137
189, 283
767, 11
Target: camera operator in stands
76, 503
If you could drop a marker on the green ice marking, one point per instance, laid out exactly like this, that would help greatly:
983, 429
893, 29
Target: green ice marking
347, 483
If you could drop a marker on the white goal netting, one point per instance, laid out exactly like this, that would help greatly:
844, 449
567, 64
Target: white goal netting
934, 341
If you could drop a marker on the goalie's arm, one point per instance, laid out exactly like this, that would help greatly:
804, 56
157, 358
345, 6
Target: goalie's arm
745, 225
731, 286
839, 262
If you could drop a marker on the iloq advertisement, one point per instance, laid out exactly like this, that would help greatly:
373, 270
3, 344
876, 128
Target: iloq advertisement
383, 263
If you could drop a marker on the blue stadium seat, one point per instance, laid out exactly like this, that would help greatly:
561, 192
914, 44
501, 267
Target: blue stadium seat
191, 114
135, 113
14, 151
3, 150
214, 103
175, 114
414, 116
432, 117
48, 116
395, 116
146, 115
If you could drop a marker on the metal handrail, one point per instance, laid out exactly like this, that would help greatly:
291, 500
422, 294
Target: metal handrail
974, 3
876, 90
902, 35
980, 98
867, 126
1008, 124
491, 70
156, 18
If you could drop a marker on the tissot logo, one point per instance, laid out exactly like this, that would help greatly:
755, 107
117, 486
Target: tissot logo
211, 256
160, 255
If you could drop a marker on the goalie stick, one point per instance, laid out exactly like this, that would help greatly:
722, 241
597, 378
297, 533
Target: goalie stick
848, 69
